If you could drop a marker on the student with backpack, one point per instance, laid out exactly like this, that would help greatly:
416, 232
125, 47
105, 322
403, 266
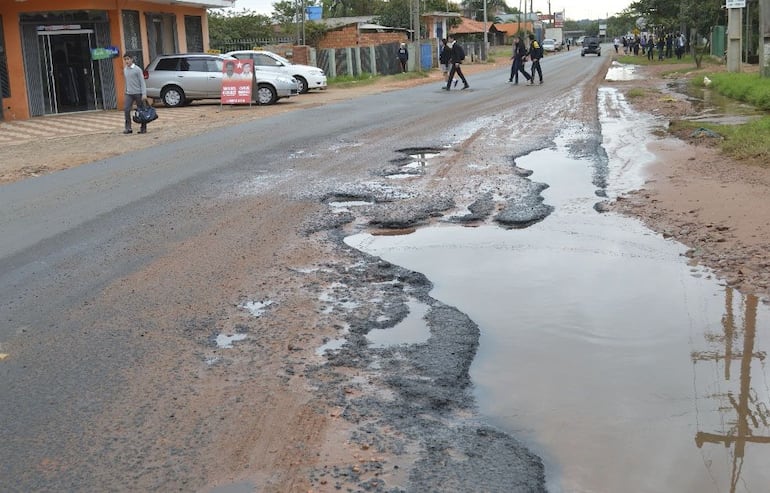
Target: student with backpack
519, 57
457, 55
535, 54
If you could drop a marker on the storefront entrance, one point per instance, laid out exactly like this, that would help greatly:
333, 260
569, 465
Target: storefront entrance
64, 64
70, 78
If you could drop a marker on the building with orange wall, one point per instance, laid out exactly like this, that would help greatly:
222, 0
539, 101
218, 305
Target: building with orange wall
64, 56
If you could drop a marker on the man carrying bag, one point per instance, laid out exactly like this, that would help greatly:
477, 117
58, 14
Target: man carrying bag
136, 92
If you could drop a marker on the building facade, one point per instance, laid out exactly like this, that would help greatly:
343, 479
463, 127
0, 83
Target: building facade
64, 56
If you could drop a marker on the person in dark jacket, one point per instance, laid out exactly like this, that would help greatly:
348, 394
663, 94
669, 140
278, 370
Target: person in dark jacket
457, 55
535, 53
403, 56
444, 58
519, 56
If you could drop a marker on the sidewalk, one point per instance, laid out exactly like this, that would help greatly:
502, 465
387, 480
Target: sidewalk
93, 123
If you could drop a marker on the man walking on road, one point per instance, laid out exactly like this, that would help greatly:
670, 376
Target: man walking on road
535, 54
136, 91
519, 56
457, 55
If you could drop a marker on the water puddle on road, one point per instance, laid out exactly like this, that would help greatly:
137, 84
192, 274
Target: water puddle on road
622, 366
411, 330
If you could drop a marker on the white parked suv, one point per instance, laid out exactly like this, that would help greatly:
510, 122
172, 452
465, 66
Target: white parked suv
309, 77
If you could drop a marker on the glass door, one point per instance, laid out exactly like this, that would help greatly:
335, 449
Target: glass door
70, 78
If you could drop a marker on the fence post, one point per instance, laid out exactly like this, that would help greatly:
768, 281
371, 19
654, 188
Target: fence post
373, 57
332, 72
358, 60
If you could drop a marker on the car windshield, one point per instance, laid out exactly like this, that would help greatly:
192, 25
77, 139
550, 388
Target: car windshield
281, 59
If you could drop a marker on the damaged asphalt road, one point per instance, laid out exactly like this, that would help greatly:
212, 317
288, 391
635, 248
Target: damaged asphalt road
112, 314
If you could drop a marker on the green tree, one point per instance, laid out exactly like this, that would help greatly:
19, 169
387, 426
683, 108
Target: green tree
286, 13
477, 8
314, 33
694, 17
350, 8
245, 24
395, 13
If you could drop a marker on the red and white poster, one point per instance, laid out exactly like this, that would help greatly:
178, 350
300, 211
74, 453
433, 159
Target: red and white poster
237, 78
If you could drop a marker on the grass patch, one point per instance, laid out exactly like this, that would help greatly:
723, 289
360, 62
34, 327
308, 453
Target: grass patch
749, 141
636, 92
364, 78
686, 59
749, 88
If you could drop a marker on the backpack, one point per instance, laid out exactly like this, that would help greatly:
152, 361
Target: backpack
460, 53
537, 49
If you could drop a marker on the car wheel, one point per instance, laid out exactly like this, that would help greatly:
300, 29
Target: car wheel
266, 94
172, 96
583, 54
303, 87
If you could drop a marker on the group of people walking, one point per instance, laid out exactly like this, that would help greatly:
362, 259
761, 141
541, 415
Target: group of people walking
519, 58
451, 58
666, 45
452, 55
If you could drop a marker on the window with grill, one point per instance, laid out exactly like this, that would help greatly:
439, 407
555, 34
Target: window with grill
193, 28
5, 85
132, 36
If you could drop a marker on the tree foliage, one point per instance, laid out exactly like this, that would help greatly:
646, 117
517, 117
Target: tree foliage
476, 8
245, 24
682, 15
314, 33
694, 17
350, 8
395, 13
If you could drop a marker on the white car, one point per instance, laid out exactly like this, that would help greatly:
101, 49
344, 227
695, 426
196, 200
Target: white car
307, 76
181, 78
549, 44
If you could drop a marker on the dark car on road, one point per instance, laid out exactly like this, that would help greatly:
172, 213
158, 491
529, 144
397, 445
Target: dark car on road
591, 45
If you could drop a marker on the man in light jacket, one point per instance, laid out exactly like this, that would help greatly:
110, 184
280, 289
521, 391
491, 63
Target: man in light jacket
136, 91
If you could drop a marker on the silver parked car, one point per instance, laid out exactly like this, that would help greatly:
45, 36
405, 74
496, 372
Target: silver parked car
181, 78
309, 77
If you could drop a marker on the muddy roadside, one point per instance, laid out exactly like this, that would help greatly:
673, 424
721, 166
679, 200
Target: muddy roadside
715, 205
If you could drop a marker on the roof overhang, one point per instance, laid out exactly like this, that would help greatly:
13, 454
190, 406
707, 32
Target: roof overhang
441, 14
208, 4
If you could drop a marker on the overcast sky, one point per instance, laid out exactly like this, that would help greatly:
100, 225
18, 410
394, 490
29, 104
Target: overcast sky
573, 9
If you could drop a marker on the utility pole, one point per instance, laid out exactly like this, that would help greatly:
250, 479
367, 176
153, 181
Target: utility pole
764, 38
416, 34
734, 34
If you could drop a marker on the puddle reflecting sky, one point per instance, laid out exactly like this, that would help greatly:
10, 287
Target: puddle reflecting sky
623, 367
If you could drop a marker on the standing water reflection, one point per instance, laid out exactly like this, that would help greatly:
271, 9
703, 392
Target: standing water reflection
601, 348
